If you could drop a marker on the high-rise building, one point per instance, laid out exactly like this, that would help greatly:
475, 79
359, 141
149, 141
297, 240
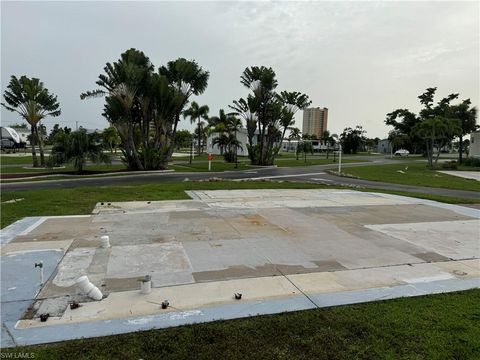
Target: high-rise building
315, 121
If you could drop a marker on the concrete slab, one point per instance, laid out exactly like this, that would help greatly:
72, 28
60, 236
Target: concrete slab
282, 249
453, 239
166, 263
37, 246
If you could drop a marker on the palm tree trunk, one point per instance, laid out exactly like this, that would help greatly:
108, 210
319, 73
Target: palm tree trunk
460, 150
131, 142
34, 152
40, 146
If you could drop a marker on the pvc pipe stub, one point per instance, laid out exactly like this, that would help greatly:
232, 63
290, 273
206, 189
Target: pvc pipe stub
105, 241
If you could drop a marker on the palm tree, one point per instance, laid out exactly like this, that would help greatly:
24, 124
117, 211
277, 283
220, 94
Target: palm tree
78, 147
295, 134
227, 125
196, 114
33, 102
292, 102
187, 78
140, 101
246, 110
326, 139
467, 117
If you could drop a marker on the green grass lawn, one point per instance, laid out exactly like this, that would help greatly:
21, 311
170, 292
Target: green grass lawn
82, 200
66, 169
12, 160
417, 174
434, 327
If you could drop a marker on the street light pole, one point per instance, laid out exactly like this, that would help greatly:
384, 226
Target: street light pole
340, 159
191, 150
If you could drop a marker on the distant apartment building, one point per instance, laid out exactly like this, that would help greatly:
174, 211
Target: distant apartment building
315, 121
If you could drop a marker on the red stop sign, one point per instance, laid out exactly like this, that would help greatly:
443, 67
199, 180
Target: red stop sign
210, 157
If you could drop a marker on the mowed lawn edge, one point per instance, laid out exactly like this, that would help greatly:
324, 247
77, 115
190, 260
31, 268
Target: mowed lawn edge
443, 326
410, 173
82, 200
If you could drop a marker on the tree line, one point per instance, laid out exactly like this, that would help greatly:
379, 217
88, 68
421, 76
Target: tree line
144, 106
435, 126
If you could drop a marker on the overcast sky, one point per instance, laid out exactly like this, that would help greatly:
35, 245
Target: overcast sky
359, 59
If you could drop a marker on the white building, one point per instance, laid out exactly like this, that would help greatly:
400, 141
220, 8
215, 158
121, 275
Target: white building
242, 137
474, 144
318, 145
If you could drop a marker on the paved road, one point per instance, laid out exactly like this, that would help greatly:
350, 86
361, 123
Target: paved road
314, 174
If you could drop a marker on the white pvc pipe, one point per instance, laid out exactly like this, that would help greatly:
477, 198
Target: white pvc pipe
105, 241
88, 288
146, 287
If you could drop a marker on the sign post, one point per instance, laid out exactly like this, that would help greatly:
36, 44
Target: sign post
340, 159
210, 158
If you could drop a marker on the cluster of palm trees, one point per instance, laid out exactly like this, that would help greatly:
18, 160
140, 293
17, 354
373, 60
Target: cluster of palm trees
268, 114
144, 105
226, 126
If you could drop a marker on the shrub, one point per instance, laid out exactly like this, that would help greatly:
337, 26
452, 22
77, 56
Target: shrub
471, 161
450, 165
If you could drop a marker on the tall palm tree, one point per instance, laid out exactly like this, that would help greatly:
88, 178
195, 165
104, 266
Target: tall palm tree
196, 114
187, 78
32, 101
292, 101
246, 110
295, 134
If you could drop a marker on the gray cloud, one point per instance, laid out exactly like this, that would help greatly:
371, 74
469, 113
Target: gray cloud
359, 59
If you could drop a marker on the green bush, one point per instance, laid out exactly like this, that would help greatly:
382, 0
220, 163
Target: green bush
450, 165
471, 161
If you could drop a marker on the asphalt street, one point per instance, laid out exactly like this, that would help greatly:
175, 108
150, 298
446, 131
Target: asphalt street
314, 174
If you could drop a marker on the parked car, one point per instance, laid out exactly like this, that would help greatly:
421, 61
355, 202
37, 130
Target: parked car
7, 145
402, 152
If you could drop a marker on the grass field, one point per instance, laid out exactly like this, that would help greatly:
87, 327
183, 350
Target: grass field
434, 327
82, 200
66, 169
416, 174
12, 160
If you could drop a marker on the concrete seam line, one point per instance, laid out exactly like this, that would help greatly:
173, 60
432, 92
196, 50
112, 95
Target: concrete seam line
7, 330
291, 282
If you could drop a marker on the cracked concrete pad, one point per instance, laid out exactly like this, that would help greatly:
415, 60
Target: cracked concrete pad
452, 239
316, 283
73, 265
60, 228
167, 263
147, 206
263, 243
182, 297
35, 246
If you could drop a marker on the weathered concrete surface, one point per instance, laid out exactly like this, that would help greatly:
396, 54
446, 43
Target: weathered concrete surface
269, 245
474, 175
